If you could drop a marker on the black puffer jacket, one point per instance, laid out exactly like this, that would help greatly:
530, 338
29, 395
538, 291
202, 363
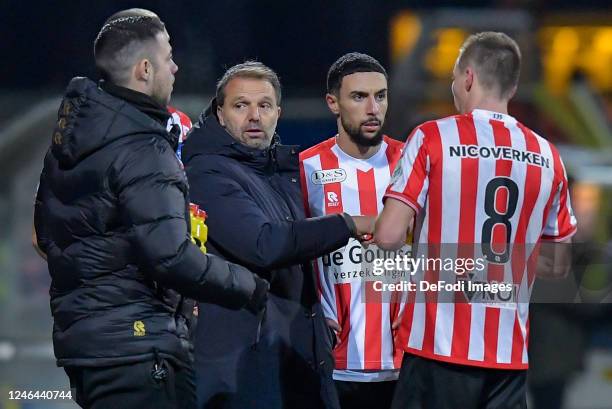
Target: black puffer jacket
111, 215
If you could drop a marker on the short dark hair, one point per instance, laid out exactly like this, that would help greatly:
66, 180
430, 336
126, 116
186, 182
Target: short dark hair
248, 69
133, 12
496, 59
349, 64
121, 42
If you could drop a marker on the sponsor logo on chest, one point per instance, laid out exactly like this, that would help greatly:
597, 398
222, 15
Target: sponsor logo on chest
323, 177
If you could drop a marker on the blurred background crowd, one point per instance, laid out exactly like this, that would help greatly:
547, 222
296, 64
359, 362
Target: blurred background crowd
565, 95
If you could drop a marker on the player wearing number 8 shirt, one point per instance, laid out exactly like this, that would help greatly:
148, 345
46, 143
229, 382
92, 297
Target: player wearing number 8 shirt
478, 177
349, 173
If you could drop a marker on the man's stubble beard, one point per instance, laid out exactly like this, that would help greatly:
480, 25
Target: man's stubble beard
359, 138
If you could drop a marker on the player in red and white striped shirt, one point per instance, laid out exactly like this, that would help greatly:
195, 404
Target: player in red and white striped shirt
478, 177
350, 173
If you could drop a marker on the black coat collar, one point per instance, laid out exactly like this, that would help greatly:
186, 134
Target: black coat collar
142, 102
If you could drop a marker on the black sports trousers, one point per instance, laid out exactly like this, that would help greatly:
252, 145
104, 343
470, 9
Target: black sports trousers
365, 395
152, 385
429, 384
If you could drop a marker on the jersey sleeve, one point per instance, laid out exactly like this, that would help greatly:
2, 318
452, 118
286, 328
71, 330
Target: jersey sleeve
410, 180
560, 222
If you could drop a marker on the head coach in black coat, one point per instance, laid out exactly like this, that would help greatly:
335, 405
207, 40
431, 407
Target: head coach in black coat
111, 218
248, 183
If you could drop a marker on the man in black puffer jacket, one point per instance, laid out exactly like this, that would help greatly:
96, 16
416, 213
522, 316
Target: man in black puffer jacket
248, 183
112, 218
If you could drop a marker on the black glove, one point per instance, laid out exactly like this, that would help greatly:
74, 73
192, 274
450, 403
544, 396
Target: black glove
260, 295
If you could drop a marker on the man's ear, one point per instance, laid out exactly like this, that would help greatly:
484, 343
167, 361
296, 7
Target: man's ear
220, 115
332, 103
143, 71
469, 78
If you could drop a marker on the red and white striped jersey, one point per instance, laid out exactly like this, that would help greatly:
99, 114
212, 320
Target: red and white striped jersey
481, 177
335, 182
181, 119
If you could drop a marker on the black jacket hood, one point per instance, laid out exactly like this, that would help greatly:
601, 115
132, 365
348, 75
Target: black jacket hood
90, 118
208, 137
